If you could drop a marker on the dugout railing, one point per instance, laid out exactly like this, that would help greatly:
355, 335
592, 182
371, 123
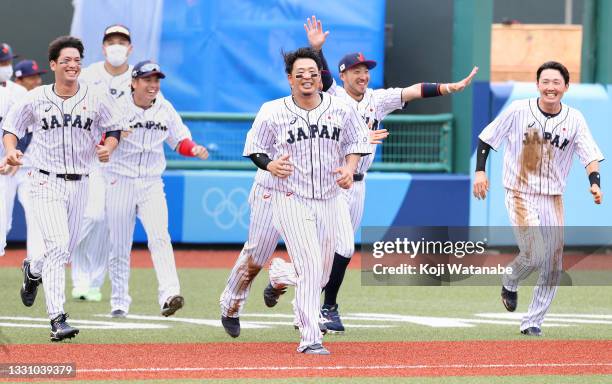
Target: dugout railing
417, 143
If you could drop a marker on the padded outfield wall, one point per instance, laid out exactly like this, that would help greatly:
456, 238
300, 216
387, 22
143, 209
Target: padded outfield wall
211, 206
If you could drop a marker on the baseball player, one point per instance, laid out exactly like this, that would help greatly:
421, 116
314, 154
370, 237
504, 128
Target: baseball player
27, 74
68, 121
372, 105
13, 92
112, 76
316, 141
262, 239
541, 136
135, 188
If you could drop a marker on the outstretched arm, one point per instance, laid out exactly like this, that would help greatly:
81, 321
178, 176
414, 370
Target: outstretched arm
422, 90
316, 39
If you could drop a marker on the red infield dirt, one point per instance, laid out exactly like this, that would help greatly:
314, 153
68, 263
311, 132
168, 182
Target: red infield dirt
354, 359
225, 259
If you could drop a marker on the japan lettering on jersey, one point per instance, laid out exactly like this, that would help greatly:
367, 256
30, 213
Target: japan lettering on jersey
141, 152
65, 131
316, 141
97, 76
375, 105
539, 149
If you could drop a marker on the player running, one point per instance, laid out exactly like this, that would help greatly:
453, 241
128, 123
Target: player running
372, 106
68, 121
316, 142
134, 188
541, 137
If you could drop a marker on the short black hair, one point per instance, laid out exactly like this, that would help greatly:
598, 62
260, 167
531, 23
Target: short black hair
556, 66
301, 53
56, 46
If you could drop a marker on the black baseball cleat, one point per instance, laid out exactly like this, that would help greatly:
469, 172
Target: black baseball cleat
509, 299
60, 329
272, 294
173, 304
118, 314
231, 325
332, 318
29, 288
532, 331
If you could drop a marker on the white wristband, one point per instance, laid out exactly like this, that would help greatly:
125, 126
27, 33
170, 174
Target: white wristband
447, 89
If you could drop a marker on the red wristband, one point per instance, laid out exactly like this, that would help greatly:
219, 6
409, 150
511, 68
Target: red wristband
185, 147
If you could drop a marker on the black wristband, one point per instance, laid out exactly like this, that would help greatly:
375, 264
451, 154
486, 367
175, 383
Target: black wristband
594, 178
481, 155
115, 134
261, 160
430, 90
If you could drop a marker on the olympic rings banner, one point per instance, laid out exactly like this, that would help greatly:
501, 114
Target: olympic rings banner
211, 207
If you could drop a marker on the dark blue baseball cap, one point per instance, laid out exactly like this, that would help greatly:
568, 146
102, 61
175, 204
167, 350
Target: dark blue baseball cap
6, 53
353, 59
147, 68
26, 68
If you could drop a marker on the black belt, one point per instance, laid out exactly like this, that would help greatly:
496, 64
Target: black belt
358, 176
65, 176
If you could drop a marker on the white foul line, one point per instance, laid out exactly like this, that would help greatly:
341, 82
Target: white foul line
340, 367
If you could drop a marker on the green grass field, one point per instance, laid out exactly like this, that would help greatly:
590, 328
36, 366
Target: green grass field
393, 313
202, 288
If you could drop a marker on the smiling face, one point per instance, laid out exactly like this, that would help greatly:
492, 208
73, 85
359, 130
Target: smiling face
67, 67
146, 88
551, 86
356, 80
305, 77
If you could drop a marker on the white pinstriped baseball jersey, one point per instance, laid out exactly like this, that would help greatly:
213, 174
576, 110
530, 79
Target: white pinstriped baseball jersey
96, 76
8, 95
263, 178
65, 131
5, 106
15, 90
373, 107
316, 141
141, 153
539, 149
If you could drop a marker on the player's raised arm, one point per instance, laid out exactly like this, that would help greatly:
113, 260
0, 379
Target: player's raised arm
423, 90
316, 38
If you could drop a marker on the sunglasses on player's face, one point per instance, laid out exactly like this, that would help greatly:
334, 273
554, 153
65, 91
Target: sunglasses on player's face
312, 75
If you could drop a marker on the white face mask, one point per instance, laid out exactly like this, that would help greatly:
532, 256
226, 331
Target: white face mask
6, 73
116, 54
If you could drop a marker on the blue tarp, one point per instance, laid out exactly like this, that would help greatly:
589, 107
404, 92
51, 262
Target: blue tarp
225, 56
